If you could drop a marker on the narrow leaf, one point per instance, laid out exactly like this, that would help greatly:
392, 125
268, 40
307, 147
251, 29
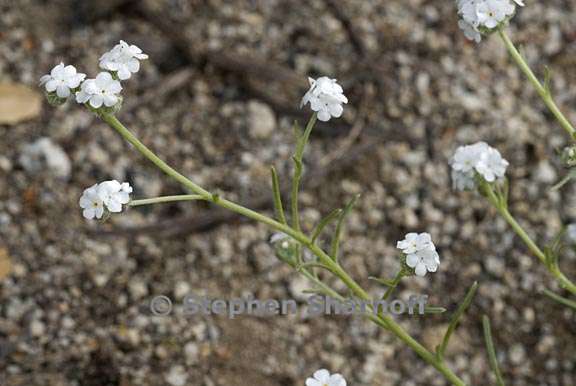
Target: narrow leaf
336, 239
456, 318
297, 158
571, 175
434, 310
324, 222
277, 196
491, 350
386, 282
560, 299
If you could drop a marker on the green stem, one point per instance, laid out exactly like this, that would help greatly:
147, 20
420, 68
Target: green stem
113, 122
532, 246
157, 200
385, 321
298, 155
543, 91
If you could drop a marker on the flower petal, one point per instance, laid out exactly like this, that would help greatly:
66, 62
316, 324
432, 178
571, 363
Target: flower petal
96, 101
63, 91
322, 375
412, 260
420, 269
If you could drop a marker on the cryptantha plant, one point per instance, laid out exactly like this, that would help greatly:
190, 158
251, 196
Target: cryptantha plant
303, 251
477, 167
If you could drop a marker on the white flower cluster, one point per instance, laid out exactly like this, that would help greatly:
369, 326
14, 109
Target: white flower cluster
326, 97
420, 253
124, 59
62, 80
104, 90
477, 159
324, 378
480, 16
107, 195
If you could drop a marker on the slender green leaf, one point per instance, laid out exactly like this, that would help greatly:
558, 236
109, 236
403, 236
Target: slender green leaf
434, 310
304, 266
336, 239
491, 350
571, 175
560, 299
385, 282
324, 222
394, 284
277, 196
456, 318
297, 158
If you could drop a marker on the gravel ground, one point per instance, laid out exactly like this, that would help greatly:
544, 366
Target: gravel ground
73, 310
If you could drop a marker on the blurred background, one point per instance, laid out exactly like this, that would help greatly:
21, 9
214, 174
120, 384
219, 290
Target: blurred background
217, 100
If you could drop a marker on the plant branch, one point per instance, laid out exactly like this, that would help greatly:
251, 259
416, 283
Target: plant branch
384, 321
543, 90
554, 269
157, 200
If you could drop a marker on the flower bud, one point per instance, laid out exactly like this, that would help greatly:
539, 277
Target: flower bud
569, 156
54, 99
285, 247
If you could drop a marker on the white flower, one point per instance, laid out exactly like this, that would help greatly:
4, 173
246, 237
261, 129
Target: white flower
62, 79
423, 261
325, 97
480, 159
467, 157
482, 16
470, 31
91, 203
124, 59
571, 233
114, 194
491, 12
103, 90
414, 242
420, 253
463, 181
324, 378
110, 195
491, 165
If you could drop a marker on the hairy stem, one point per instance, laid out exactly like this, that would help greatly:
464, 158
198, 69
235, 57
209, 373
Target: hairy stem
384, 321
157, 200
532, 246
542, 90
